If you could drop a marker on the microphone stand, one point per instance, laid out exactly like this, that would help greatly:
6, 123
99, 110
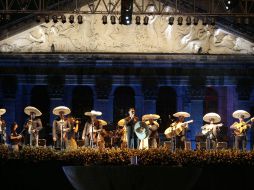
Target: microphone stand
91, 140
61, 124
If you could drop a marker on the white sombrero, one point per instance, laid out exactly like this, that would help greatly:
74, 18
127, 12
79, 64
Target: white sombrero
59, 109
181, 113
30, 109
121, 123
150, 116
239, 113
2, 111
207, 117
102, 122
93, 113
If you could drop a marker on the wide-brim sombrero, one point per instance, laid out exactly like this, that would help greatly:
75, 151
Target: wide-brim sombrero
150, 116
181, 113
209, 116
93, 113
241, 113
30, 109
65, 110
2, 111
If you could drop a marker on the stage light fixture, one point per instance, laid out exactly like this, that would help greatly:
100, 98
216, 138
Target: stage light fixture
7, 17
204, 21
137, 20
188, 20
180, 20
246, 21
230, 4
126, 11
113, 19
171, 20
195, 21
54, 17
63, 17
46, 18
104, 19
146, 20
80, 19
38, 18
71, 19
212, 21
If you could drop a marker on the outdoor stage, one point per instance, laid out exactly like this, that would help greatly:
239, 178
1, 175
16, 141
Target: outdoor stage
85, 168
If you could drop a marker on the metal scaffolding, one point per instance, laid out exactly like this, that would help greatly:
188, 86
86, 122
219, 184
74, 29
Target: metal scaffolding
228, 8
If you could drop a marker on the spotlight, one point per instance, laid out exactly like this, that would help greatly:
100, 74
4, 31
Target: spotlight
180, 20
204, 21
113, 19
104, 19
238, 20
54, 17
71, 19
46, 18
146, 19
195, 21
188, 20
137, 20
213, 21
80, 21
230, 4
38, 18
246, 21
126, 11
171, 20
63, 19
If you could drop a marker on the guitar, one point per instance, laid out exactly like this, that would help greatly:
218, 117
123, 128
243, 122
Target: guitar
181, 126
176, 129
207, 128
241, 127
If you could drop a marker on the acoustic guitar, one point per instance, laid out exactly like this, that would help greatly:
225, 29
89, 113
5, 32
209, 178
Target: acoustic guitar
240, 128
176, 129
207, 128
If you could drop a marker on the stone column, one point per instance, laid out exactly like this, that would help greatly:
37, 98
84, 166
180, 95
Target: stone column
102, 101
196, 111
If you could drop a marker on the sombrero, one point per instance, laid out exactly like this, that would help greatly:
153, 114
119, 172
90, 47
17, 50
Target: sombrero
2, 111
207, 117
93, 113
102, 122
121, 123
59, 109
30, 109
181, 113
239, 113
150, 116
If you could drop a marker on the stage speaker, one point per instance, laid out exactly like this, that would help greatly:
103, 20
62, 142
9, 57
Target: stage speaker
80, 143
42, 142
201, 145
187, 145
221, 145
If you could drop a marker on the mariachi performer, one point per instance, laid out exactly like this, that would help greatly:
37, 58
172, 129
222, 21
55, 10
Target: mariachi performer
33, 125
212, 129
177, 130
240, 128
61, 126
129, 123
153, 125
2, 127
92, 132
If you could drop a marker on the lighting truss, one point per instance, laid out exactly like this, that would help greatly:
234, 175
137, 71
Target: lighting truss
243, 8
